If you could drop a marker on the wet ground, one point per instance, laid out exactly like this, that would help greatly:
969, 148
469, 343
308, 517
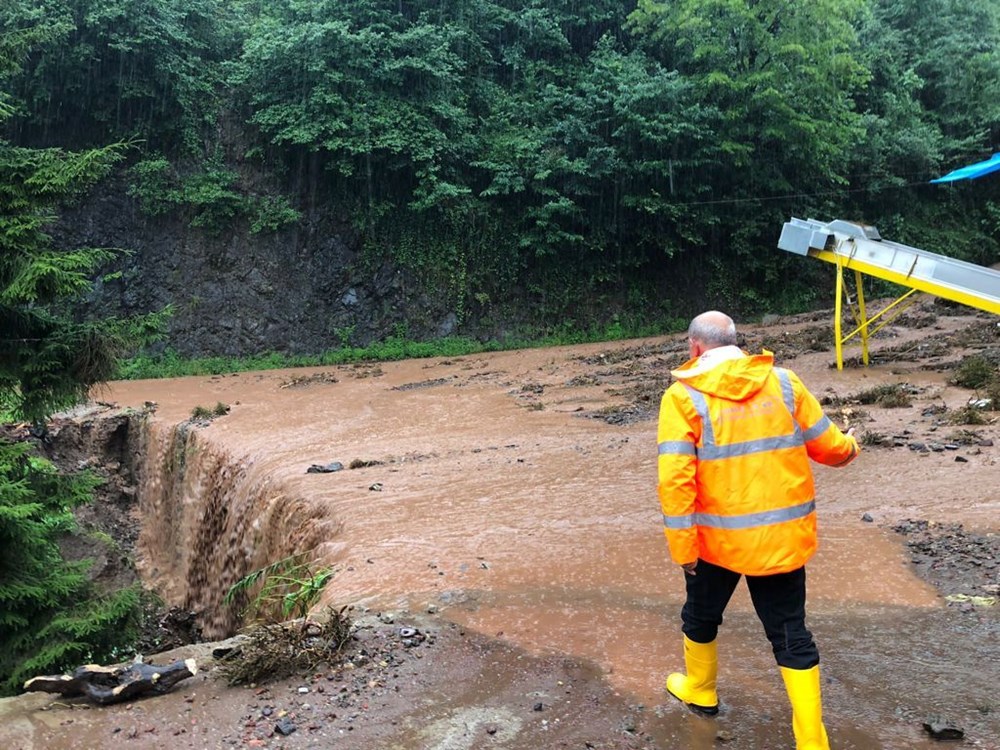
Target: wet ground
505, 505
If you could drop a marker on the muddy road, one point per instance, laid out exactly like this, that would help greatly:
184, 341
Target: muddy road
504, 505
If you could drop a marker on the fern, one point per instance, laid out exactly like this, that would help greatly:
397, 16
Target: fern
282, 590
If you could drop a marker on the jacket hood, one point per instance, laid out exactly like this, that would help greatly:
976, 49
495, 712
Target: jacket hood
733, 378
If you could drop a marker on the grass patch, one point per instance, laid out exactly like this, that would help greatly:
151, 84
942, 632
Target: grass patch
170, 364
873, 439
975, 373
204, 412
360, 463
992, 392
968, 415
888, 396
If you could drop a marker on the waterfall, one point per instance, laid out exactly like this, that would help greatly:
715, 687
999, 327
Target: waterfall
208, 518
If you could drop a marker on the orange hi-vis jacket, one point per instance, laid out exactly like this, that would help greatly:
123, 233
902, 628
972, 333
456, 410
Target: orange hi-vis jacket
735, 484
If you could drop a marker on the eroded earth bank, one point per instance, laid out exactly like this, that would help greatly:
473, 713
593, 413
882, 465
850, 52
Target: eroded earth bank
504, 507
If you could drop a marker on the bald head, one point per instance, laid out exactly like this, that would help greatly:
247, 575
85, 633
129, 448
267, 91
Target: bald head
712, 329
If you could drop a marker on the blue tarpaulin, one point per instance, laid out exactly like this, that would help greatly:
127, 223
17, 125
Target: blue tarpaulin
973, 171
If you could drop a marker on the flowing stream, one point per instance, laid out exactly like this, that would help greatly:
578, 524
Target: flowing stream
485, 493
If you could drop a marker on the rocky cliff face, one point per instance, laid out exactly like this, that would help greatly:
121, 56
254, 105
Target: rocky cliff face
304, 289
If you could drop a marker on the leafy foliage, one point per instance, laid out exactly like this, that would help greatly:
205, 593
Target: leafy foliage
50, 617
49, 360
563, 152
280, 591
210, 195
120, 69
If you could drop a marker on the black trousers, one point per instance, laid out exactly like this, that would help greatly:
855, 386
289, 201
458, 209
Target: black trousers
780, 602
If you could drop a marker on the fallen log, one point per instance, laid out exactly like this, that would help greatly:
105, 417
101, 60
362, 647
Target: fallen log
105, 685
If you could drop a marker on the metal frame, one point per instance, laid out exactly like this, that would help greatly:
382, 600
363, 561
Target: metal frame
859, 248
900, 305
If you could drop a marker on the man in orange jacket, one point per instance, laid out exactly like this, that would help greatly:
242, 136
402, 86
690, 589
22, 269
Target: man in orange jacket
735, 437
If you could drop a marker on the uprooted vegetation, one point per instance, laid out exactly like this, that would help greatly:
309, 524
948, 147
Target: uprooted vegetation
205, 413
935, 349
887, 395
789, 344
277, 646
873, 439
277, 592
301, 381
975, 372
637, 375
980, 373
272, 651
970, 414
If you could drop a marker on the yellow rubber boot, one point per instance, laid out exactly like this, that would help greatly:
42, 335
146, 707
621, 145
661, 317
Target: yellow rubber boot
807, 708
697, 687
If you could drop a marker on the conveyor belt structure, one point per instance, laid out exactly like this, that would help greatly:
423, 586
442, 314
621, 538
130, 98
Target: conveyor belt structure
859, 248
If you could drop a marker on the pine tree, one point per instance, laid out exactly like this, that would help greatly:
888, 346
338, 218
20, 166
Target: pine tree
51, 618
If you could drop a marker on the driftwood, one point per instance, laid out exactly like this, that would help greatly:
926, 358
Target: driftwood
106, 685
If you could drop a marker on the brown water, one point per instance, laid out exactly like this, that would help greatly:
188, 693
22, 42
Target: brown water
541, 526
500, 504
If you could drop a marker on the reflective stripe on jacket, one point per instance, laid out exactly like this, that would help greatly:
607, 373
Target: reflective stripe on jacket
735, 483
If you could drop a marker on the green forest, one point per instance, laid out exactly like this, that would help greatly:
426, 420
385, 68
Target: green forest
572, 158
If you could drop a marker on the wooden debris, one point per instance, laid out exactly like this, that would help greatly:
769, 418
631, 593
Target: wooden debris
105, 685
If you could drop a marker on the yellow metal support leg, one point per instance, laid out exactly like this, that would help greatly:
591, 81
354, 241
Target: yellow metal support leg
862, 317
860, 250
898, 307
837, 310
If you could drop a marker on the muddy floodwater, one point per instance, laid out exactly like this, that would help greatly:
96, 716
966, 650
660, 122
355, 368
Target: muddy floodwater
511, 497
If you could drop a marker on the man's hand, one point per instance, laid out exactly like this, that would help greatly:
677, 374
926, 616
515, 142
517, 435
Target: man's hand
689, 568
